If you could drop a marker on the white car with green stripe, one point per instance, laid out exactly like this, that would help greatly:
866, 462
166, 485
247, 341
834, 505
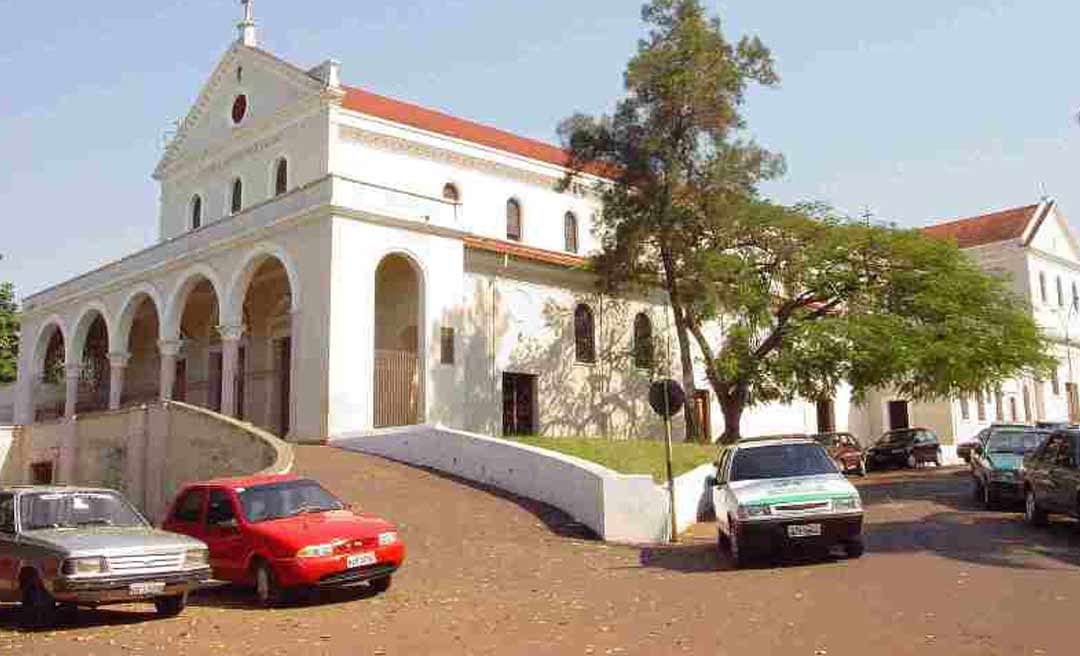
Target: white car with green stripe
772, 494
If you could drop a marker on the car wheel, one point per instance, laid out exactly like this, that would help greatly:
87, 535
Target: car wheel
381, 584
171, 606
267, 590
738, 557
1034, 515
854, 548
912, 462
38, 606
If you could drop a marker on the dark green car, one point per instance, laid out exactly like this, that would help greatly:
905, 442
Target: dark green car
997, 463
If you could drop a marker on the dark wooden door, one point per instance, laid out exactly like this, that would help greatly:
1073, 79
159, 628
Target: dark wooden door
519, 396
213, 392
284, 383
898, 415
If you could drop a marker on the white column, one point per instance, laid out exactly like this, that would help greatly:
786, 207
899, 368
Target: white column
118, 363
169, 349
230, 354
71, 388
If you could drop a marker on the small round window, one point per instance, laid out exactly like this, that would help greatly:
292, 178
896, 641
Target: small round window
239, 108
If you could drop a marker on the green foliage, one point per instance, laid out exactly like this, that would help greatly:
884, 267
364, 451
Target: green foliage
678, 128
9, 333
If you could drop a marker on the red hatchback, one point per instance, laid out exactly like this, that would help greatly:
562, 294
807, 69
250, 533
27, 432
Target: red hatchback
284, 532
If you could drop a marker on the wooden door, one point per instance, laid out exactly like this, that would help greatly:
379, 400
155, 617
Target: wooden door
898, 415
213, 392
519, 396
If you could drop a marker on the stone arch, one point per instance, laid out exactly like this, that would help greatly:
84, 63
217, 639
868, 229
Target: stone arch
42, 337
118, 337
233, 303
399, 347
85, 320
170, 327
52, 392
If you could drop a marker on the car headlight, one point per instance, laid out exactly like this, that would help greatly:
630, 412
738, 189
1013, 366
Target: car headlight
758, 510
846, 503
387, 537
316, 551
82, 566
196, 558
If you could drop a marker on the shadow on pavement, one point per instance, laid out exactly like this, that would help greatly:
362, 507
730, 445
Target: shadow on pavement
701, 554
241, 597
83, 618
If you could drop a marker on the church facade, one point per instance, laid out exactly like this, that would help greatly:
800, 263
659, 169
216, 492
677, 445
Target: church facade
333, 261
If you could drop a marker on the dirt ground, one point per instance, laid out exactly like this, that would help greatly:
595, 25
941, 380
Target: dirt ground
491, 574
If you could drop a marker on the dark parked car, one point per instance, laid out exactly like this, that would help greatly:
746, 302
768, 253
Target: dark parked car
965, 447
902, 447
1052, 478
845, 450
997, 462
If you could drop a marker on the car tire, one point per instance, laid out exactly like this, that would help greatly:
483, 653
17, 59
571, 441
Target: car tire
381, 584
912, 461
267, 589
854, 548
1033, 514
38, 606
171, 606
738, 555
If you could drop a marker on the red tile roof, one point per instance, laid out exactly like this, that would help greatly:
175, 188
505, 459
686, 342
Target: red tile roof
416, 116
986, 228
524, 252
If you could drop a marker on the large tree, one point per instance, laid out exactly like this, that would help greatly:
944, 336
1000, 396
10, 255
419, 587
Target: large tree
782, 302
9, 333
790, 302
678, 127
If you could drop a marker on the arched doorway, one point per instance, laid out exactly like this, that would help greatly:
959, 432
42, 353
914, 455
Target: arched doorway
398, 367
49, 390
92, 334
264, 365
140, 331
199, 363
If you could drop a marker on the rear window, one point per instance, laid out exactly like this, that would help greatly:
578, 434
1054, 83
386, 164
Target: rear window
781, 461
1018, 442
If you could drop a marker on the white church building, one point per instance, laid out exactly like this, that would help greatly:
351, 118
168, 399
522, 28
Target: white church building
332, 261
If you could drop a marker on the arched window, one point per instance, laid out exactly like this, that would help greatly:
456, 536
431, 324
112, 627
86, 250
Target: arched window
196, 212
570, 230
450, 193
237, 201
584, 334
643, 342
281, 176
513, 220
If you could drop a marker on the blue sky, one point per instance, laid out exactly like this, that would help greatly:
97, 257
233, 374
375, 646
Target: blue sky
923, 110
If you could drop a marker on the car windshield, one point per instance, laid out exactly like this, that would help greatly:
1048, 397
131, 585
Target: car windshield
906, 437
51, 510
276, 500
781, 461
1018, 442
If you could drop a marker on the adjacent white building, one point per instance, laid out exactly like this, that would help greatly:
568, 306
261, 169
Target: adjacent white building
1038, 251
333, 261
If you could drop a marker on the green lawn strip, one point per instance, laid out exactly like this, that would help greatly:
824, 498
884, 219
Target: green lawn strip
628, 456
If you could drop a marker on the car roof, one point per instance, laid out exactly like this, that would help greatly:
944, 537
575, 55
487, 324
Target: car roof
244, 481
772, 441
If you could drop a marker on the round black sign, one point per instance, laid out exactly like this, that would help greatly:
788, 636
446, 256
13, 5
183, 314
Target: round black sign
666, 397
239, 108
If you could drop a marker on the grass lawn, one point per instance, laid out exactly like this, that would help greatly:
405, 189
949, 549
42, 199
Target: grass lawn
629, 456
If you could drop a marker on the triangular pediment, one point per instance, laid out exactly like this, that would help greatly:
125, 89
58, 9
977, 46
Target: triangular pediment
269, 85
1051, 233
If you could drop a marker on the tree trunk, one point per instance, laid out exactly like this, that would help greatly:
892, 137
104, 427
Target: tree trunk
732, 404
693, 431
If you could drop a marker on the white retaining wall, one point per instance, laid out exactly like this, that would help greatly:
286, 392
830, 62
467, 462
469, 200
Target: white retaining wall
617, 507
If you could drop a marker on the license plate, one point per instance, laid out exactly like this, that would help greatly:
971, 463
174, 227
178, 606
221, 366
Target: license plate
148, 588
803, 530
361, 559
